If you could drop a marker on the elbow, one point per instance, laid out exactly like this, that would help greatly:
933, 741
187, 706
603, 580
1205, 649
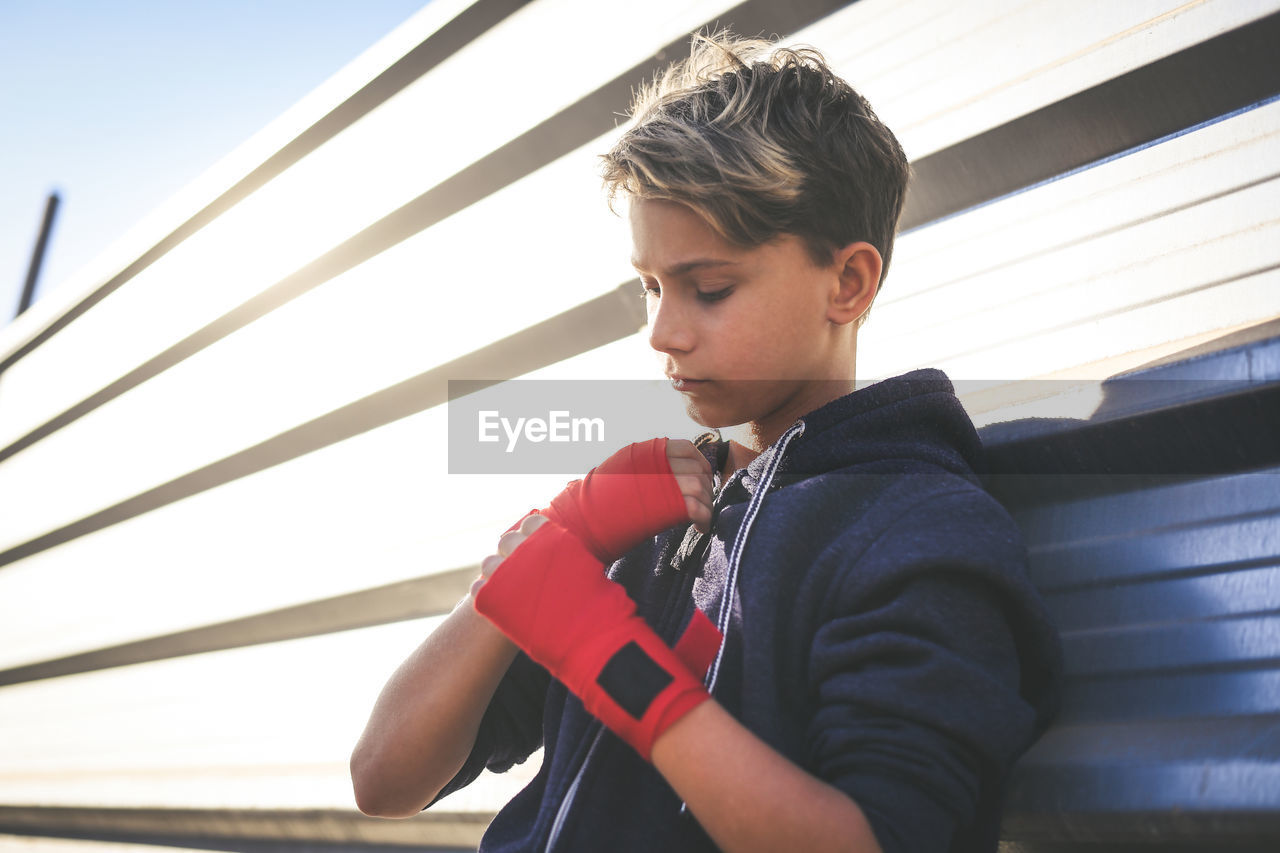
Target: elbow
375, 807
375, 797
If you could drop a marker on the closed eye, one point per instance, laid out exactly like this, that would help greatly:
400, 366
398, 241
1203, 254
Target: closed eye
702, 296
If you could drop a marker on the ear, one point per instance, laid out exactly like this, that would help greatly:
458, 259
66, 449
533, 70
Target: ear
857, 267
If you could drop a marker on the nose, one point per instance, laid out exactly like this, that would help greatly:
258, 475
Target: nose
670, 327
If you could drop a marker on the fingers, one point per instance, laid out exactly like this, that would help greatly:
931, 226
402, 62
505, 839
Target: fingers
487, 567
532, 523
506, 544
694, 476
697, 493
699, 514
685, 458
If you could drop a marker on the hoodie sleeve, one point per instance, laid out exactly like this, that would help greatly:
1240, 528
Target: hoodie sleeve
511, 729
917, 669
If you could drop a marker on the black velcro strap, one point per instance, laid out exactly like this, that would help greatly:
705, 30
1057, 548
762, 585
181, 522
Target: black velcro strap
633, 679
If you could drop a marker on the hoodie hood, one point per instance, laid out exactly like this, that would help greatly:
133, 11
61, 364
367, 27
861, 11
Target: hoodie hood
912, 418
915, 417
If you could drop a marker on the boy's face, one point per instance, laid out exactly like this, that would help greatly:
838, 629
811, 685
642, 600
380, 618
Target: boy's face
752, 326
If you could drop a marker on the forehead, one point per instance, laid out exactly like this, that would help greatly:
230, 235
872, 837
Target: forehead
671, 237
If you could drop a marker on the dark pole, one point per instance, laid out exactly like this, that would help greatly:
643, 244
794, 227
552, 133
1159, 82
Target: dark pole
37, 254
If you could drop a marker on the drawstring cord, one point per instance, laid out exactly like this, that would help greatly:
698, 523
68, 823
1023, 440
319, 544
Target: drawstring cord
739, 542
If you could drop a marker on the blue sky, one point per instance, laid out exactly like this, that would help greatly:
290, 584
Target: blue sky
117, 104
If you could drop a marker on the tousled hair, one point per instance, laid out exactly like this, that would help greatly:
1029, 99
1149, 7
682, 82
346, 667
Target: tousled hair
763, 141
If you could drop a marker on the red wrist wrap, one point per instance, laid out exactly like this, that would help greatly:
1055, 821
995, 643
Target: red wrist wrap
622, 501
550, 596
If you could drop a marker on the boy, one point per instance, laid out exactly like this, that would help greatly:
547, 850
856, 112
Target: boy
818, 636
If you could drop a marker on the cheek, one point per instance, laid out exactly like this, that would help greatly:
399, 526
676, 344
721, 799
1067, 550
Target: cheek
757, 352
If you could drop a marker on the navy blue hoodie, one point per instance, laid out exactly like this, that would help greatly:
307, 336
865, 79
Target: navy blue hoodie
881, 633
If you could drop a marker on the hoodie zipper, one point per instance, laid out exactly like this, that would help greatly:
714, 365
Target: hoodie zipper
740, 542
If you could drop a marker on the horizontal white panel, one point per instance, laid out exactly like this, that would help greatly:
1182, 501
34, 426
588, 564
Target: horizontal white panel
452, 289
230, 170
1186, 213
1252, 299
1188, 249
416, 139
371, 510
938, 72
1214, 160
267, 726
36, 844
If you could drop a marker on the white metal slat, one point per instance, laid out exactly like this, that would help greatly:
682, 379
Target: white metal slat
241, 728
1156, 223
1211, 161
1064, 289
1021, 57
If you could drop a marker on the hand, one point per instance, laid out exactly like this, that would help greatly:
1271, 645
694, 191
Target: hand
634, 494
694, 477
506, 544
690, 472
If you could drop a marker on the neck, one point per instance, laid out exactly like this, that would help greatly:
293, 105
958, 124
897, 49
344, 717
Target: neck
749, 440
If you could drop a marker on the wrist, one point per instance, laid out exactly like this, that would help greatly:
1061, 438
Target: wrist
478, 627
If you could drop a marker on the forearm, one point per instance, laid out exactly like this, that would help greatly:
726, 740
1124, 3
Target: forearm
748, 796
425, 720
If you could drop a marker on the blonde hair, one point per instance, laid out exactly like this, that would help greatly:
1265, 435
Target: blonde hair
763, 141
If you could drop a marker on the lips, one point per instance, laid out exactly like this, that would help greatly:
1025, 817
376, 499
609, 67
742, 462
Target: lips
682, 383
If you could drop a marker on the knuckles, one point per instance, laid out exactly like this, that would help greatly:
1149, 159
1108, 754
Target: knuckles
508, 542
531, 524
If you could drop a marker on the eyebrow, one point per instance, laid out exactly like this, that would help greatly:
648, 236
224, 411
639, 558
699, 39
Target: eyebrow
689, 266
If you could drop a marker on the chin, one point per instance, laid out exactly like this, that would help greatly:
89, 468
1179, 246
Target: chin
709, 416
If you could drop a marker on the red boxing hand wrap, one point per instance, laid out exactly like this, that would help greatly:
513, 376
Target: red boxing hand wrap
625, 499
516, 526
550, 596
